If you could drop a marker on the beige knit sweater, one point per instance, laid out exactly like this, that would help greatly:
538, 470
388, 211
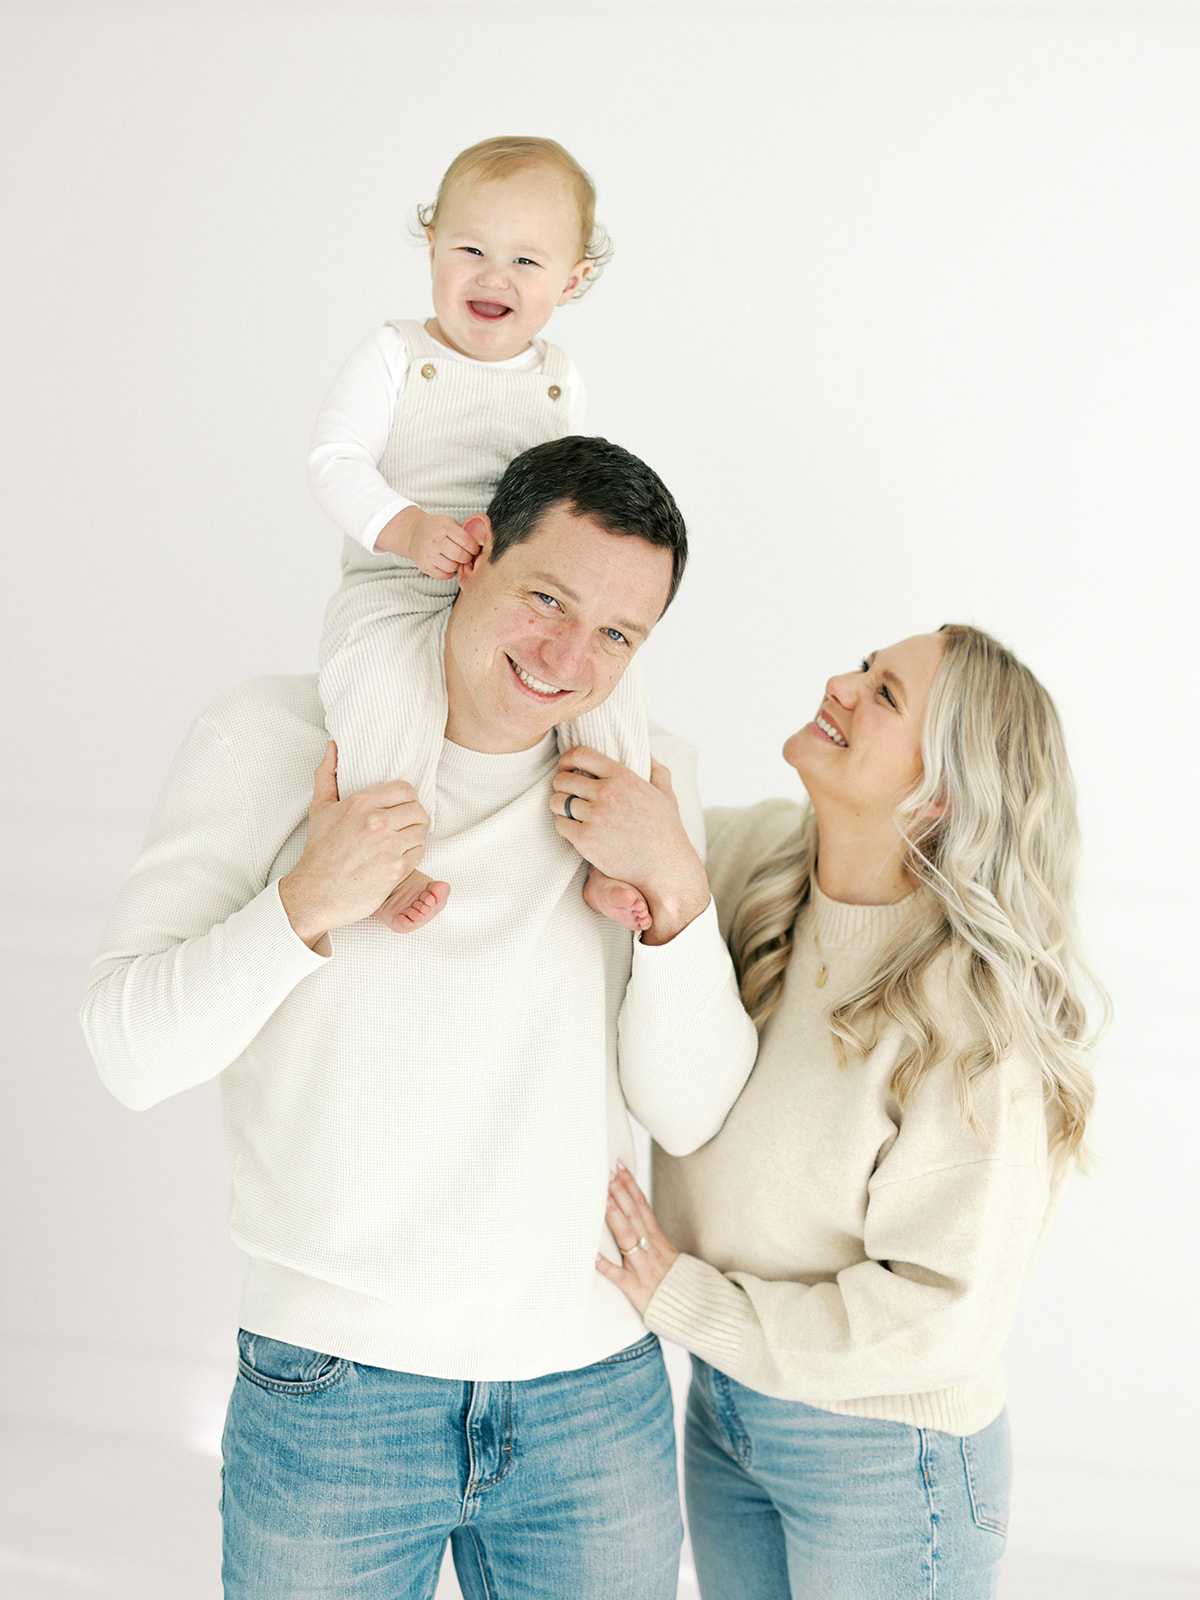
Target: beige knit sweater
841, 1250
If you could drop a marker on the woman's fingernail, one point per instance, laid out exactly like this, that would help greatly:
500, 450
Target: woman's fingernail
621, 1167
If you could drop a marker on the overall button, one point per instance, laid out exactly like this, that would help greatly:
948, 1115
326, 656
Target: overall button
554, 391
429, 370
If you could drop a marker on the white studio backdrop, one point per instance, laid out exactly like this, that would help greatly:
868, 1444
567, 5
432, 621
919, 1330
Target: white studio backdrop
904, 308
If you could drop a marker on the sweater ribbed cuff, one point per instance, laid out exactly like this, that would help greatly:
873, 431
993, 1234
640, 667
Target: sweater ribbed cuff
701, 1309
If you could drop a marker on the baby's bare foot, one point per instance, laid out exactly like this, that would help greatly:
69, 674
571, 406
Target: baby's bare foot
618, 901
414, 901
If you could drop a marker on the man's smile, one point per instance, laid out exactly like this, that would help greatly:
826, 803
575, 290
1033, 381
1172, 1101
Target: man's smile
530, 682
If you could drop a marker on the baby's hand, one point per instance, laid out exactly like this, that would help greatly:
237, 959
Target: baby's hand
436, 544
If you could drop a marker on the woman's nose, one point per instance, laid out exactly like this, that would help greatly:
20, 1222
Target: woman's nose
842, 688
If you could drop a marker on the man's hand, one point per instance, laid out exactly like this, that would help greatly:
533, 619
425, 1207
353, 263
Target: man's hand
630, 829
437, 544
356, 853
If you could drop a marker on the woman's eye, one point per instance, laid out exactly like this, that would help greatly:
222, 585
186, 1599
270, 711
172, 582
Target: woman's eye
864, 665
886, 693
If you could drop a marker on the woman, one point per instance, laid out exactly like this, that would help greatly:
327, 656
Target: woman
844, 1258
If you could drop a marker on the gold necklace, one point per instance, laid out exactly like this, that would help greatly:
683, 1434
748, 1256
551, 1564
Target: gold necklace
823, 969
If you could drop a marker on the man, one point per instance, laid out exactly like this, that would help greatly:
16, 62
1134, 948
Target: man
422, 1127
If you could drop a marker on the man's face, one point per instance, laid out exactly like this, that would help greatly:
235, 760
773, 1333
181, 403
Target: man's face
544, 632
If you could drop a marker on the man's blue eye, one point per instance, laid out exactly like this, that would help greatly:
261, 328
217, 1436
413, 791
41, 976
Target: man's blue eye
616, 635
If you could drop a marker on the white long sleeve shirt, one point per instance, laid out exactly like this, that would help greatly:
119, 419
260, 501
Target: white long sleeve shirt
422, 1126
356, 418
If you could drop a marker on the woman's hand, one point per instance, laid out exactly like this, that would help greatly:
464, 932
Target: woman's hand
631, 830
646, 1253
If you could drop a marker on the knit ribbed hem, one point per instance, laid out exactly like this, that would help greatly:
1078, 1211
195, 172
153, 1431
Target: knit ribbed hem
963, 1408
510, 1344
704, 1311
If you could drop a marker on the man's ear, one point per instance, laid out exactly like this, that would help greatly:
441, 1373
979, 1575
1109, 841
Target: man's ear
479, 527
578, 273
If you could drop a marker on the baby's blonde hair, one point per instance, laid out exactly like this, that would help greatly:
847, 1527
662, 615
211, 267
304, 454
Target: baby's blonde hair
500, 158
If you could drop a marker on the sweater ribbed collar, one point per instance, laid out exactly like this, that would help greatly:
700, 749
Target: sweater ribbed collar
838, 925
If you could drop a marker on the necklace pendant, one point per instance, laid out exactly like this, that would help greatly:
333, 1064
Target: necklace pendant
822, 975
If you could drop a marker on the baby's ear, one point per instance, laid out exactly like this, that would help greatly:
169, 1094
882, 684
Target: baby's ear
578, 273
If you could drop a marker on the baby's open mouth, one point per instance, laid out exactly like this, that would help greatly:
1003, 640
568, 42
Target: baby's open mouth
489, 308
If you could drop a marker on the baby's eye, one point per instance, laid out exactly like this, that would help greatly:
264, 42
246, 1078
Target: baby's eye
470, 250
615, 635
527, 261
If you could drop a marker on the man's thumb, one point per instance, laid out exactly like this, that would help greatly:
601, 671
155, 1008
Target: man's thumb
325, 789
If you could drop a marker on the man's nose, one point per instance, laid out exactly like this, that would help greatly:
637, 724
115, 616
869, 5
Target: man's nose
564, 650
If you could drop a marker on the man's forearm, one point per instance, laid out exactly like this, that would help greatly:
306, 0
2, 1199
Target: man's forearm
686, 1045
162, 1021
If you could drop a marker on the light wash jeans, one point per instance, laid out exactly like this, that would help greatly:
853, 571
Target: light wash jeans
344, 1482
786, 1502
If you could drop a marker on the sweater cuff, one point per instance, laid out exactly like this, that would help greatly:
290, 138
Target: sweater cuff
700, 1308
694, 963
294, 954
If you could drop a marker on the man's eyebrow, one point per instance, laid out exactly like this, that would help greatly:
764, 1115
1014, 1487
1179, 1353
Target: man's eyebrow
642, 629
890, 678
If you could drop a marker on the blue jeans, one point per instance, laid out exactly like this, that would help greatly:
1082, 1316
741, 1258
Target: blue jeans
344, 1482
786, 1502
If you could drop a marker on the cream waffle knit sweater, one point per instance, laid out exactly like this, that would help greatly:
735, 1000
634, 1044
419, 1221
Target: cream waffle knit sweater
421, 1127
841, 1250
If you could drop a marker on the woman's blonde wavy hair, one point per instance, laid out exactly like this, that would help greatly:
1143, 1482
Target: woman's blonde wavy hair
991, 833
500, 158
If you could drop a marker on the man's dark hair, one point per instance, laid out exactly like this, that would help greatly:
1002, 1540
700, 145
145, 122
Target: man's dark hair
593, 478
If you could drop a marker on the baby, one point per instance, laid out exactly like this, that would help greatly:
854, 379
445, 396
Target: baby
409, 445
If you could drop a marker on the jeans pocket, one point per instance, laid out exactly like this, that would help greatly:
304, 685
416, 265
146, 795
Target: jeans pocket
726, 1414
286, 1368
987, 1457
632, 1352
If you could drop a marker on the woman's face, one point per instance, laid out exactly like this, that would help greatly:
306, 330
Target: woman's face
862, 751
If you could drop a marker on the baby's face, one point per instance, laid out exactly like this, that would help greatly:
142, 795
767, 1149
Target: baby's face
503, 254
